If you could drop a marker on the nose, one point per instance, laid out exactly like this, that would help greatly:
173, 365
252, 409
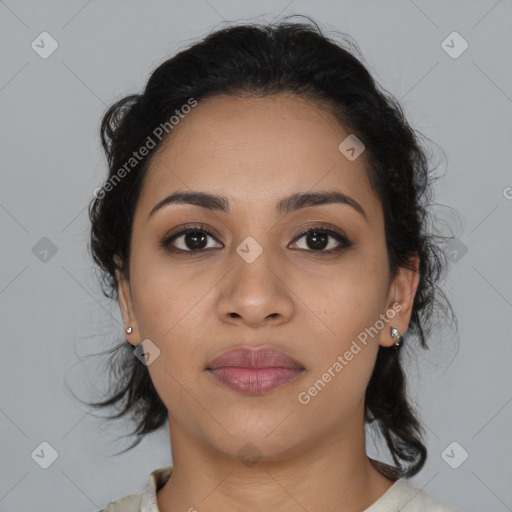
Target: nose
256, 294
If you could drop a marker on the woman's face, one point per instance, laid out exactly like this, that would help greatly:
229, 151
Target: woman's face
258, 281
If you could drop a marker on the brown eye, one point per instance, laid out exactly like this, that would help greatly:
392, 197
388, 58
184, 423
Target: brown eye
192, 239
318, 239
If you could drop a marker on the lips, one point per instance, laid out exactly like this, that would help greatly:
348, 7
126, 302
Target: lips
254, 371
246, 357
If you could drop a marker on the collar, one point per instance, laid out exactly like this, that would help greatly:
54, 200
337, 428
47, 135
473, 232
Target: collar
157, 479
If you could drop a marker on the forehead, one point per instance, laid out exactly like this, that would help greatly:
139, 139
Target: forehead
255, 148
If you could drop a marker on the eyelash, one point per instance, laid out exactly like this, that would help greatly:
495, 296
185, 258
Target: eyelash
344, 242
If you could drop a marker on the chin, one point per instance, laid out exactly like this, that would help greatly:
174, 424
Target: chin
265, 441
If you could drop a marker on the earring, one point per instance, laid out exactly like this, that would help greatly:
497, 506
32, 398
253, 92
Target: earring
129, 330
399, 339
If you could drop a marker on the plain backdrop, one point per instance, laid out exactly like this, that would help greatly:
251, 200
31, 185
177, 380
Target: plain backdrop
52, 313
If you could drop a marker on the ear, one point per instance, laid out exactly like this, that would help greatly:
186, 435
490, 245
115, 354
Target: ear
400, 300
125, 303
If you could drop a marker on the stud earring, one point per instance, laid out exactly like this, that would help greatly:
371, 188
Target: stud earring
399, 339
129, 330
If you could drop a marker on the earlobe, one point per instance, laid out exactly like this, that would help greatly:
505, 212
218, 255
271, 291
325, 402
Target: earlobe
402, 294
125, 302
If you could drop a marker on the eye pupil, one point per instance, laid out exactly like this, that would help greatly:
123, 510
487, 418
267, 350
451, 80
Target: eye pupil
195, 235
315, 236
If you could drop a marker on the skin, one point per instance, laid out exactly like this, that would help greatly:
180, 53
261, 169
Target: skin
193, 307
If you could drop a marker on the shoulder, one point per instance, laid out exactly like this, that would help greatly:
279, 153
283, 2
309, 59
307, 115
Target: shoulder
144, 500
405, 496
129, 503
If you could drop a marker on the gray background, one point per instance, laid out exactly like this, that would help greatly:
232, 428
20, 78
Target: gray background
52, 314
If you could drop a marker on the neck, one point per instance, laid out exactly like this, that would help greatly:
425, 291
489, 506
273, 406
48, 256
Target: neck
331, 475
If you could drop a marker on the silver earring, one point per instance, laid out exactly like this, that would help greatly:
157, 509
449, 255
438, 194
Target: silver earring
399, 339
129, 330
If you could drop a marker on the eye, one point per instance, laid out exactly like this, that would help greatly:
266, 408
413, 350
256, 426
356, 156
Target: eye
188, 240
194, 239
318, 239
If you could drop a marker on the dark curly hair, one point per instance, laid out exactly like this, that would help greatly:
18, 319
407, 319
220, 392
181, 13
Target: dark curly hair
267, 59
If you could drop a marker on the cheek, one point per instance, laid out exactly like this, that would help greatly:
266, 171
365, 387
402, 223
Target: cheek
351, 304
346, 299
165, 297
170, 313
337, 390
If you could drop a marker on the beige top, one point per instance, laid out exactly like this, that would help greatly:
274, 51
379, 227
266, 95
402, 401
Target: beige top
395, 499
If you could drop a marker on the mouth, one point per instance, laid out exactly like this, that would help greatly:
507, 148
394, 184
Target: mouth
254, 371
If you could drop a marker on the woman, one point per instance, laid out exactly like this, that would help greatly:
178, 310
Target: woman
263, 227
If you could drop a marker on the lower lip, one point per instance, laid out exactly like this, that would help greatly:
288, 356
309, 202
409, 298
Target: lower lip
254, 381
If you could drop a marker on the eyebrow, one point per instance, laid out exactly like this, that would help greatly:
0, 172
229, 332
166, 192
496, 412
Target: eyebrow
286, 205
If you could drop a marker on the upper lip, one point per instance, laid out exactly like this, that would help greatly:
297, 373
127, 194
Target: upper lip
249, 357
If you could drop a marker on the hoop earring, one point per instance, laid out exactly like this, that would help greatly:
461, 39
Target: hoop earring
399, 339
